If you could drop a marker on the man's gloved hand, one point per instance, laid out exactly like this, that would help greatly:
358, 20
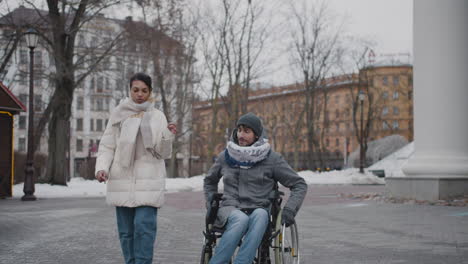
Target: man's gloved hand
287, 217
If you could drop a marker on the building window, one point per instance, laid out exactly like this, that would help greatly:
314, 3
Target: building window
22, 122
100, 85
79, 124
99, 104
91, 84
80, 103
23, 98
107, 121
79, 145
98, 124
395, 95
22, 144
91, 124
396, 111
81, 41
395, 125
385, 95
337, 99
38, 59
410, 95
396, 80
337, 127
385, 80
94, 41
38, 103
37, 80
119, 85
327, 142
384, 110
108, 86
337, 142
384, 125
337, 113
23, 78
23, 57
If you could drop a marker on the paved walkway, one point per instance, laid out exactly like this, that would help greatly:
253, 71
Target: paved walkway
332, 229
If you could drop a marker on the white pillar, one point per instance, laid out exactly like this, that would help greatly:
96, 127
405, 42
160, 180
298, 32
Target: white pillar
439, 166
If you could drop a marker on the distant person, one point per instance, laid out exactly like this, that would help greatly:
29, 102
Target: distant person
250, 170
130, 158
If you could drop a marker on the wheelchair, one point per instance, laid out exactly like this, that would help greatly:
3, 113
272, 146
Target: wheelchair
280, 244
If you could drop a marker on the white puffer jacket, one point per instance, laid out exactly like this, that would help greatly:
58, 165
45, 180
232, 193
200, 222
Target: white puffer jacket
143, 182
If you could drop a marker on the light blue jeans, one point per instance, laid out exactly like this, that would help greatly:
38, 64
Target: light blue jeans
137, 233
253, 226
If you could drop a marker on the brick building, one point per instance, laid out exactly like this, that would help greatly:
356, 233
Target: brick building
388, 105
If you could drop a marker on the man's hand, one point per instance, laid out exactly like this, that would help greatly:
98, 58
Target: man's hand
101, 176
287, 217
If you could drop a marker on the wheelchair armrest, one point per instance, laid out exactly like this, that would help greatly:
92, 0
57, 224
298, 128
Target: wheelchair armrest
275, 195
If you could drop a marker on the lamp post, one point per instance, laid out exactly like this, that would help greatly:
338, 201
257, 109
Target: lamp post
361, 138
31, 41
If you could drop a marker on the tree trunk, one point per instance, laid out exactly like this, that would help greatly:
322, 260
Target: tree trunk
57, 163
173, 168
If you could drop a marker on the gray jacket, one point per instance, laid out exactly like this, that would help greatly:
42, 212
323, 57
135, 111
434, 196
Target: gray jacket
250, 188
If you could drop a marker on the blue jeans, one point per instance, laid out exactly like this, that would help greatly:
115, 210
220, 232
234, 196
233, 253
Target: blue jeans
253, 226
137, 233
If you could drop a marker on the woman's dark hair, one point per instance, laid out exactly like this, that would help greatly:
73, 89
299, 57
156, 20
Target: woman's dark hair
139, 76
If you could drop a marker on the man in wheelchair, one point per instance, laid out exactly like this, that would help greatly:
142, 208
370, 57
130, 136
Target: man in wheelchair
251, 171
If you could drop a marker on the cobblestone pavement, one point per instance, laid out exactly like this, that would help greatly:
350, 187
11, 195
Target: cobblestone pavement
334, 228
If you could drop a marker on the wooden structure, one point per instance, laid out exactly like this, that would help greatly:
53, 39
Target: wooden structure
9, 106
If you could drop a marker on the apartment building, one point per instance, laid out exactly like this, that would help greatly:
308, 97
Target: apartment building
99, 91
337, 115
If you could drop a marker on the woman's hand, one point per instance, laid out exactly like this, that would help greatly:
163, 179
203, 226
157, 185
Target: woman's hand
101, 176
172, 127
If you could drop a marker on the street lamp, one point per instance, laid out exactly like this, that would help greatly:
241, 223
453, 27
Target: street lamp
361, 143
31, 41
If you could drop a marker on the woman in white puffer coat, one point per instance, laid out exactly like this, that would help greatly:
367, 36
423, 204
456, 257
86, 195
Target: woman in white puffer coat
130, 158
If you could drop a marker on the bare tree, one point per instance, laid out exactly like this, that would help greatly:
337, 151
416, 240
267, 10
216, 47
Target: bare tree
170, 44
316, 49
9, 49
244, 37
374, 109
58, 28
213, 54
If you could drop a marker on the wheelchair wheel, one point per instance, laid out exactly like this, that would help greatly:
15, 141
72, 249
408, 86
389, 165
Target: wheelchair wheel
206, 254
286, 244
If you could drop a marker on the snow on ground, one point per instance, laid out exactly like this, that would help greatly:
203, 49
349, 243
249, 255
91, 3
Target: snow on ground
393, 163
79, 187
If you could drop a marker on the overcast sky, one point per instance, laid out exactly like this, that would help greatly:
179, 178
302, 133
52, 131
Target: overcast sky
389, 22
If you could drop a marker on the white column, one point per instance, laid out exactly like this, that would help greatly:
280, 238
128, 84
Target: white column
440, 89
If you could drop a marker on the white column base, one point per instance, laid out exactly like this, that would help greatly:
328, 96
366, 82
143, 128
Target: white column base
426, 188
437, 166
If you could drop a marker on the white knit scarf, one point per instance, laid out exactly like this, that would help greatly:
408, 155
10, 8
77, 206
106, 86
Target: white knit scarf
246, 157
137, 118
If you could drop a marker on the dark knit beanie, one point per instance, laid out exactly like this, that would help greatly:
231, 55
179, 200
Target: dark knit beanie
252, 121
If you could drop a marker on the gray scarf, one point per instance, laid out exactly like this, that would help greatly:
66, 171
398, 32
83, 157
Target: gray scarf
137, 117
